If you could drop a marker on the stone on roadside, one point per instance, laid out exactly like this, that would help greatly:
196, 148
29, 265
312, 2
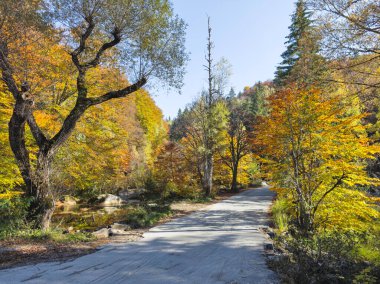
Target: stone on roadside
271, 234
131, 193
110, 200
118, 226
268, 246
102, 233
116, 232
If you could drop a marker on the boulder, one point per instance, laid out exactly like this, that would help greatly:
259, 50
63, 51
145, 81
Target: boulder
109, 200
131, 193
102, 233
268, 246
109, 209
271, 234
116, 232
133, 201
118, 226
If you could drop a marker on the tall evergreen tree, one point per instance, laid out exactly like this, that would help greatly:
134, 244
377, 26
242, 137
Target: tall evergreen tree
301, 61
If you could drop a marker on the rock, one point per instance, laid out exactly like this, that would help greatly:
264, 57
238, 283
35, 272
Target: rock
116, 232
268, 246
123, 227
273, 257
133, 201
132, 193
271, 234
110, 209
102, 233
109, 200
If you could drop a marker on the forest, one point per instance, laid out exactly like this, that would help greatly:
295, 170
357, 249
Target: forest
78, 125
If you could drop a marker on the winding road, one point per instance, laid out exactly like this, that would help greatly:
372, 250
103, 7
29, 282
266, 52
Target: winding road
220, 244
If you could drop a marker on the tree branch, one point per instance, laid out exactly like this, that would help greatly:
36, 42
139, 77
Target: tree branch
338, 182
119, 93
116, 39
335, 10
6, 70
82, 43
36, 131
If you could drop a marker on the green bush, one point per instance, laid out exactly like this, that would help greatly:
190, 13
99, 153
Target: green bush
13, 213
145, 216
281, 216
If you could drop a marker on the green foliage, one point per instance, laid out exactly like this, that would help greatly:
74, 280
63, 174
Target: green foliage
327, 257
281, 215
301, 62
255, 98
141, 217
13, 213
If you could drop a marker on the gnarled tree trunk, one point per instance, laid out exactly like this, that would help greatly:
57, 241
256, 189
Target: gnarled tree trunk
36, 179
37, 186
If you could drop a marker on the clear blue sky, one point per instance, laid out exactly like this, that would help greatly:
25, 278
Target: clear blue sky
250, 34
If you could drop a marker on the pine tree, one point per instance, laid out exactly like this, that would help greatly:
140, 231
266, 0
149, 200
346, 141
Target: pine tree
301, 61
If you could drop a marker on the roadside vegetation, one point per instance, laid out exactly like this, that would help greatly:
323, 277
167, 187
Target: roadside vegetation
86, 153
319, 146
84, 145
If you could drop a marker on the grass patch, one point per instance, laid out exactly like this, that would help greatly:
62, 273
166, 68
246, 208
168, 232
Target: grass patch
49, 235
280, 213
145, 216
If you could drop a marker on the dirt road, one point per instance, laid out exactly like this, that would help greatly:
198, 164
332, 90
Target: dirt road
220, 244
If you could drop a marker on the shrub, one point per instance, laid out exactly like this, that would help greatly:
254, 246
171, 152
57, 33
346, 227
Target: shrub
13, 212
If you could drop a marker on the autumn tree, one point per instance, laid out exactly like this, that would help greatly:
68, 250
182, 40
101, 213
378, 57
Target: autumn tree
143, 36
204, 127
178, 125
237, 134
313, 149
349, 29
217, 79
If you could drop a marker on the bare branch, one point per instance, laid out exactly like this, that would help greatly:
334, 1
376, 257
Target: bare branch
116, 39
119, 93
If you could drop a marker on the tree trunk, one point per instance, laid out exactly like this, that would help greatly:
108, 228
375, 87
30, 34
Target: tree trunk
17, 140
42, 199
234, 186
305, 221
36, 181
207, 175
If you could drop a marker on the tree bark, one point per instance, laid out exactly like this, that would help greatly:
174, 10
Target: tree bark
207, 175
42, 201
36, 181
234, 186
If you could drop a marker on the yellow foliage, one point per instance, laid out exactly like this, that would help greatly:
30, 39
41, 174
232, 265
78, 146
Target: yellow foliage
315, 149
